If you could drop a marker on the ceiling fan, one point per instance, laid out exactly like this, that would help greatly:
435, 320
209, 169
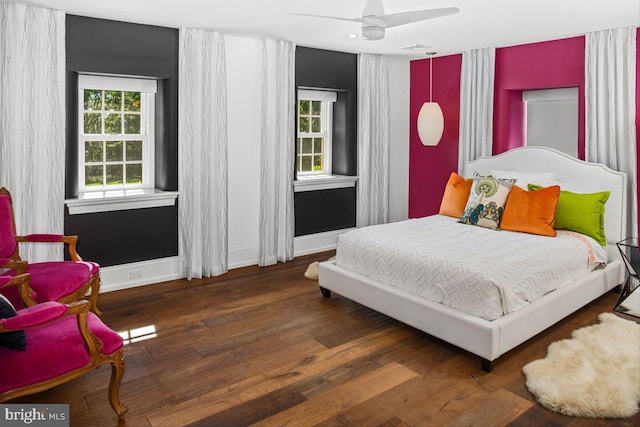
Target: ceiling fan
375, 22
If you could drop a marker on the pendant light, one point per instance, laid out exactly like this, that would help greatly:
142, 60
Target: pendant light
430, 118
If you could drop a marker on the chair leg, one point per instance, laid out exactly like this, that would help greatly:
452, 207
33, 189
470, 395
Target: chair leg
117, 371
93, 298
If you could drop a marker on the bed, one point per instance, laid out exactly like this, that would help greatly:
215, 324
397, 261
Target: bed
490, 336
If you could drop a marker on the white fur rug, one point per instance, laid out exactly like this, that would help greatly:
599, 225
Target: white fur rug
594, 374
312, 271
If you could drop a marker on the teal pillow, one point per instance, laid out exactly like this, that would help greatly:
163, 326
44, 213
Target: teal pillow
583, 213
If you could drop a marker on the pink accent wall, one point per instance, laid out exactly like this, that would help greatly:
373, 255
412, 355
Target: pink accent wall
430, 167
553, 64
557, 63
638, 122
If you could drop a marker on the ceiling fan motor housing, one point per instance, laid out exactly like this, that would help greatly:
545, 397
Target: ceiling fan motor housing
372, 32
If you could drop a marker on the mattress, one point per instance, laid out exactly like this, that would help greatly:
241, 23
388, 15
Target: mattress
482, 272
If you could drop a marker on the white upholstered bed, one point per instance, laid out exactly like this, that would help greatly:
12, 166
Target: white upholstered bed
489, 339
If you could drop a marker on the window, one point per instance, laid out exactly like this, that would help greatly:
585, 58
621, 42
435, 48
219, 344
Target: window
314, 129
115, 133
552, 118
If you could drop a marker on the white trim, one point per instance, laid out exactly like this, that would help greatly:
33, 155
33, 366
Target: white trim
243, 256
323, 182
318, 242
317, 95
118, 200
125, 83
141, 273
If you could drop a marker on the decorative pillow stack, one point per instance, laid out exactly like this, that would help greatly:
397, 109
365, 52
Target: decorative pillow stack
486, 201
583, 213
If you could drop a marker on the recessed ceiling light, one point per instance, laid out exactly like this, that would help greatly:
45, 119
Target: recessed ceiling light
353, 36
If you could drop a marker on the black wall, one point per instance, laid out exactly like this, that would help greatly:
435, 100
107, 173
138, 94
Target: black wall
112, 47
326, 210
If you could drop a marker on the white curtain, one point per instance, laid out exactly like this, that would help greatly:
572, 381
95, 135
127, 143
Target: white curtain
610, 105
277, 153
32, 121
373, 140
476, 104
202, 152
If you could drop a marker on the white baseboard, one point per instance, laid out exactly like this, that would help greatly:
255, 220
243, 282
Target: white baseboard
318, 242
142, 273
134, 274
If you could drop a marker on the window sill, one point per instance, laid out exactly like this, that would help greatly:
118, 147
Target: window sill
323, 182
119, 200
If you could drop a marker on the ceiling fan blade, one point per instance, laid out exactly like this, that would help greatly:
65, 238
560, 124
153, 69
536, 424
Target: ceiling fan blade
402, 18
329, 17
373, 8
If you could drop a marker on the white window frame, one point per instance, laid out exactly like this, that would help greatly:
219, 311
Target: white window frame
148, 89
326, 114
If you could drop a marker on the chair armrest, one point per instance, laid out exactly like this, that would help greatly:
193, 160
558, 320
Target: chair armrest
22, 281
34, 316
18, 265
71, 241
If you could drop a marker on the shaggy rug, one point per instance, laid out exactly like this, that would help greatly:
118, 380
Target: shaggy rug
312, 271
594, 374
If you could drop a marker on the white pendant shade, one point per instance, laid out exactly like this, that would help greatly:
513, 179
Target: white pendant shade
430, 123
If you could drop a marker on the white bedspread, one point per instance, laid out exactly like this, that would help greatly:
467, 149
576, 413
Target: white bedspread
485, 273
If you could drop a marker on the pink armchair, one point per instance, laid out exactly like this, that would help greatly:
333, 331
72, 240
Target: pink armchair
61, 281
51, 343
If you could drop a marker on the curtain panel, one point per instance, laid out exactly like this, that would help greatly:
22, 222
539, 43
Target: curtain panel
202, 152
277, 152
610, 106
476, 105
32, 120
373, 140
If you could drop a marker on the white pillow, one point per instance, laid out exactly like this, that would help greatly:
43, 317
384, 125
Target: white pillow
523, 179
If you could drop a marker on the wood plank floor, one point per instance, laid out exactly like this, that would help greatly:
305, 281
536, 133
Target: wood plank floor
261, 346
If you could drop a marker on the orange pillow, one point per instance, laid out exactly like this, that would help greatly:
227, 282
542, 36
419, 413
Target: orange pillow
530, 212
456, 194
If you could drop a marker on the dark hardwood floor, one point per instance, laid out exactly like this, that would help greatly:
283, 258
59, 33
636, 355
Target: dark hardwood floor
261, 346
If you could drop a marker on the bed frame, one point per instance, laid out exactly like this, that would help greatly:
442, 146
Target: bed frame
491, 339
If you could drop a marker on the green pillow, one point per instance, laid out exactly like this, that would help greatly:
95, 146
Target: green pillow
583, 213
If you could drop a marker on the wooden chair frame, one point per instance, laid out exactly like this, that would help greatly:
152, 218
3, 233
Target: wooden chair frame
71, 243
98, 358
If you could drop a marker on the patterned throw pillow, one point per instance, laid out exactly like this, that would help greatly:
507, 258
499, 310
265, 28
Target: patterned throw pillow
486, 201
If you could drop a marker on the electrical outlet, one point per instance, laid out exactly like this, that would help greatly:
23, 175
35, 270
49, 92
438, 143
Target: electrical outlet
136, 274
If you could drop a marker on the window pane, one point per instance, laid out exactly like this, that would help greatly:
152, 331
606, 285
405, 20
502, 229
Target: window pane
134, 151
315, 107
306, 164
114, 174
113, 100
114, 151
134, 174
132, 123
92, 123
304, 107
93, 151
112, 123
92, 99
132, 101
92, 175
307, 145
304, 124
315, 124
317, 145
317, 163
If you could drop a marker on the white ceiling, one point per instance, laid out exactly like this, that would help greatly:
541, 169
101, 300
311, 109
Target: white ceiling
480, 23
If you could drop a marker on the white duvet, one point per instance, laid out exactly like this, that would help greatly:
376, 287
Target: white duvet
485, 273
